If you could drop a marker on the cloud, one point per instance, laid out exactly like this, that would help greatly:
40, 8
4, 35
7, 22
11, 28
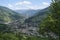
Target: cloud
9, 5
28, 5
40, 6
45, 3
24, 2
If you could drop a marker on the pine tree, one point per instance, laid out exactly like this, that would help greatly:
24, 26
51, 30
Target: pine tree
52, 22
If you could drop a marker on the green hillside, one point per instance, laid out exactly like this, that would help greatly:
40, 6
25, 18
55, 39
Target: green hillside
7, 15
38, 16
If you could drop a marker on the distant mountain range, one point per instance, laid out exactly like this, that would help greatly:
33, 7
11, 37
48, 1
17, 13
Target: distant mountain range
28, 12
37, 17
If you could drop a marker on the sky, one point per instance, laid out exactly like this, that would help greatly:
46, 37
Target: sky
25, 4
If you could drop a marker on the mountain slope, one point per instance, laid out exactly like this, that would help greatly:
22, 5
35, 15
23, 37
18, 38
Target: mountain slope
30, 25
38, 16
7, 15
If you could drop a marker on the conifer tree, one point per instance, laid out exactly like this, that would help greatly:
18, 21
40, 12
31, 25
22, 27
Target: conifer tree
52, 22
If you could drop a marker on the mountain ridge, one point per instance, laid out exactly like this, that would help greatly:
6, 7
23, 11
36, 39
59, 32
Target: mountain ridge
28, 13
8, 15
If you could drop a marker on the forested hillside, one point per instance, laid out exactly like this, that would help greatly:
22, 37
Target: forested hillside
51, 25
7, 15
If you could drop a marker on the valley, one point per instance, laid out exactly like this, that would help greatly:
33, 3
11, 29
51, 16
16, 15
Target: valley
29, 20
20, 23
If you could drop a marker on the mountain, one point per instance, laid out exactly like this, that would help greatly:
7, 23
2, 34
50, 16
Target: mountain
7, 15
28, 13
30, 25
37, 17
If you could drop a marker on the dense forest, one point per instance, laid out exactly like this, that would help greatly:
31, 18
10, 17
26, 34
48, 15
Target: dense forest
48, 25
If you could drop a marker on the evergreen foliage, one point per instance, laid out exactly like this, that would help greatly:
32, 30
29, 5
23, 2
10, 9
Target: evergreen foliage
52, 23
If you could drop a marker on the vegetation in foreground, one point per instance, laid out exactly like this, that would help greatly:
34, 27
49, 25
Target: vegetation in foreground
51, 25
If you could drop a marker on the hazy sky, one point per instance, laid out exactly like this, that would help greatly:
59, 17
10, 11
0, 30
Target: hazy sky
25, 4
